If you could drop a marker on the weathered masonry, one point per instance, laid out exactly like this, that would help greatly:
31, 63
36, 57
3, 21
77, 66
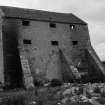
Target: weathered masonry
40, 45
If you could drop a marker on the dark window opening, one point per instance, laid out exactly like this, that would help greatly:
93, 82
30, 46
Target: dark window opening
25, 41
25, 23
52, 25
54, 43
74, 42
72, 27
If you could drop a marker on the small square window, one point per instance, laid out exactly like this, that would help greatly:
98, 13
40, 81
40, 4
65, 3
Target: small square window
25, 23
26, 41
72, 27
54, 43
52, 25
75, 42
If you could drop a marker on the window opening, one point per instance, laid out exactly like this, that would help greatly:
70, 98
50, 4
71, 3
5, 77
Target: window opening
25, 23
52, 25
74, 42
26, 41
54, 43
72, 27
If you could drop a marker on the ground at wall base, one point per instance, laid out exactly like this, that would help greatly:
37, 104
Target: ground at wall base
67, 94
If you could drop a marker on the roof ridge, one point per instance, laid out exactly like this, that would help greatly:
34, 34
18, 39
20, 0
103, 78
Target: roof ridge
41, 15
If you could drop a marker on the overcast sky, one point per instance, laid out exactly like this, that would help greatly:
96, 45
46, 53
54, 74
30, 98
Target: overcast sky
91, 11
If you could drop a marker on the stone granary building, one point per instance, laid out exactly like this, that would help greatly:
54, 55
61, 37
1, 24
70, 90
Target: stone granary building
41, 45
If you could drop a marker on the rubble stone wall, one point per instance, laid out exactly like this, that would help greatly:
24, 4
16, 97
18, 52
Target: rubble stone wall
42, 43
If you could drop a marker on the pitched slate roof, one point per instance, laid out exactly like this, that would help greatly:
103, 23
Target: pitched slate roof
22, 13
